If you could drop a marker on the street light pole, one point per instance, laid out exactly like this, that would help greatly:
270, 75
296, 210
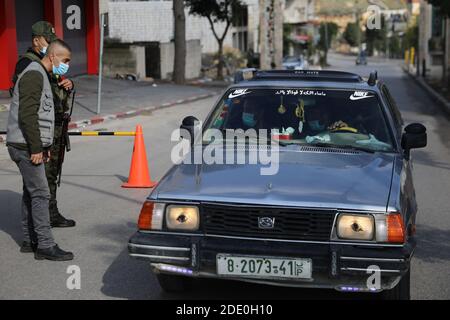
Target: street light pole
100, 67
446, 53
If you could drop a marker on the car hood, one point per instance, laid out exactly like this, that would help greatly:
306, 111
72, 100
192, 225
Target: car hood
359, 181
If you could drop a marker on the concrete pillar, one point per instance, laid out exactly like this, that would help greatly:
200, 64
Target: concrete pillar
425, 21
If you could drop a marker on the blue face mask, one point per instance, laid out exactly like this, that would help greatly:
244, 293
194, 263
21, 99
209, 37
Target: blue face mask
43, 51
248, 119
316, 126
61, 70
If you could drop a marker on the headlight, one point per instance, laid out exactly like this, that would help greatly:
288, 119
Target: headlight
182, 218
355, 227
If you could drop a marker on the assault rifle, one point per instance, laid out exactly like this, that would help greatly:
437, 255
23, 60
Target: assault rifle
65, 139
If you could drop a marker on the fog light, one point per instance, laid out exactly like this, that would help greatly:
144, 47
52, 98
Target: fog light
174, 269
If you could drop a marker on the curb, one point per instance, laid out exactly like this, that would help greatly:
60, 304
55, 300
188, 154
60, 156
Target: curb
445, 104
210, 84
133, 113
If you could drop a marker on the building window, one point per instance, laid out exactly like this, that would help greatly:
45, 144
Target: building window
241, 18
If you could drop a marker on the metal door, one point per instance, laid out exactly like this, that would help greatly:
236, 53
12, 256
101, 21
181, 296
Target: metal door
28, 12
153, 60
74, 25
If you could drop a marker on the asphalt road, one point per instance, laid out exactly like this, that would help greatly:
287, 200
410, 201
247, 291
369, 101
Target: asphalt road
106, 214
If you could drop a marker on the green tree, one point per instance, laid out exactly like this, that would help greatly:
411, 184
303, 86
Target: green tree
411, 37
327, 31
376, 38
443, 5
351, 34
395, 47
216, 11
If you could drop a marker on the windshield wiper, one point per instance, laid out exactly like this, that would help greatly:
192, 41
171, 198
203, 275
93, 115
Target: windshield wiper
340, 146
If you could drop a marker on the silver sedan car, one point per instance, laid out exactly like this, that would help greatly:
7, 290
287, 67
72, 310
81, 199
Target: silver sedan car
329, 201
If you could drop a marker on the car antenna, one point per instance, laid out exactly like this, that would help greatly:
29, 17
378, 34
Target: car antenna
373, 78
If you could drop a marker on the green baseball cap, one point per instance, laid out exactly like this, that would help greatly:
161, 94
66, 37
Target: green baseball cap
44, 29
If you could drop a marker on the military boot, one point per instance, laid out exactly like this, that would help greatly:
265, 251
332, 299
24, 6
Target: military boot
57, 220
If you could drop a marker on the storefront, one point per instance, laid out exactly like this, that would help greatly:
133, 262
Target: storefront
75, 21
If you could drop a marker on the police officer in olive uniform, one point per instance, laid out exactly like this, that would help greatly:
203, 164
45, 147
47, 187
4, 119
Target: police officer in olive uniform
43, 34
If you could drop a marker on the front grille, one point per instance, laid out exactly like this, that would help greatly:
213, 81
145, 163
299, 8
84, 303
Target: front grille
290, 224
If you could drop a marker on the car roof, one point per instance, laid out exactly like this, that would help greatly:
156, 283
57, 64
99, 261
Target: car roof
304, 84
306, 79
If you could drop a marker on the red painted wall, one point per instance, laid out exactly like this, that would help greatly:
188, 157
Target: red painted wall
92, 35
8, 39
53, 14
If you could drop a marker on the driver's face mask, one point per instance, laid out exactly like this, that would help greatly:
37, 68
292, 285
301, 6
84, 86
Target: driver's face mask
248, 119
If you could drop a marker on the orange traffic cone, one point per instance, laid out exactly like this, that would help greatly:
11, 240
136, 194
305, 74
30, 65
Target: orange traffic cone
139, 172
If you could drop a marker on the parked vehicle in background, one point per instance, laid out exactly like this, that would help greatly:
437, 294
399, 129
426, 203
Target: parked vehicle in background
295, 63
362, 58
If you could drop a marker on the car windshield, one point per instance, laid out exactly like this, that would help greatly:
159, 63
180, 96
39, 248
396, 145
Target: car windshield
295, 116
292, 59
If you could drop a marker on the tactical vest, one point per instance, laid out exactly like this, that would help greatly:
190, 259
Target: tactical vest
60, 96
46, 113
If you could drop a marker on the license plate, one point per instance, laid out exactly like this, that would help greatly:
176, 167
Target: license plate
262, 267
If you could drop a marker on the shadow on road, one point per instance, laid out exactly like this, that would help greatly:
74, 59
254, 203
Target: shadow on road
424, 158
124, 278
128, 278
10, 215
432, 244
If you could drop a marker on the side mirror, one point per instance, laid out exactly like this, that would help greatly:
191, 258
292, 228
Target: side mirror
189, 124
415, 137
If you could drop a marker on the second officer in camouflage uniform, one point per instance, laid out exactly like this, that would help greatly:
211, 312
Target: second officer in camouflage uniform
43, 34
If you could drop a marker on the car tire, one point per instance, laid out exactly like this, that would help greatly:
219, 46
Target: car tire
174, 284
402, 290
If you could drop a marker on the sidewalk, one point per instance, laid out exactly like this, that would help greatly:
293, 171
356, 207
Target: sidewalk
121, 98
438, 97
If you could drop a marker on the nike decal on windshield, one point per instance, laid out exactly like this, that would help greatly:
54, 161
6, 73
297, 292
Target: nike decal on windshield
238, 93
358, 95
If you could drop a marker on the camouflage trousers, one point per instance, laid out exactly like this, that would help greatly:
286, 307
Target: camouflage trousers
51, 171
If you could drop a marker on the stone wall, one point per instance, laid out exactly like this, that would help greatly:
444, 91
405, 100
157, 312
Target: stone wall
121, 58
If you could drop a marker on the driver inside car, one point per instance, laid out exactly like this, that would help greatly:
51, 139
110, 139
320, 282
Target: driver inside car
318, 120
252, 114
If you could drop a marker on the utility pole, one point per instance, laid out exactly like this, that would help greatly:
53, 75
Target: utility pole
445, 81
100, 67
358, 26
179, 66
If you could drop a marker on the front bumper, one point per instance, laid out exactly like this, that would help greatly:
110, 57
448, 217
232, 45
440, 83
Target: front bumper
343, 267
